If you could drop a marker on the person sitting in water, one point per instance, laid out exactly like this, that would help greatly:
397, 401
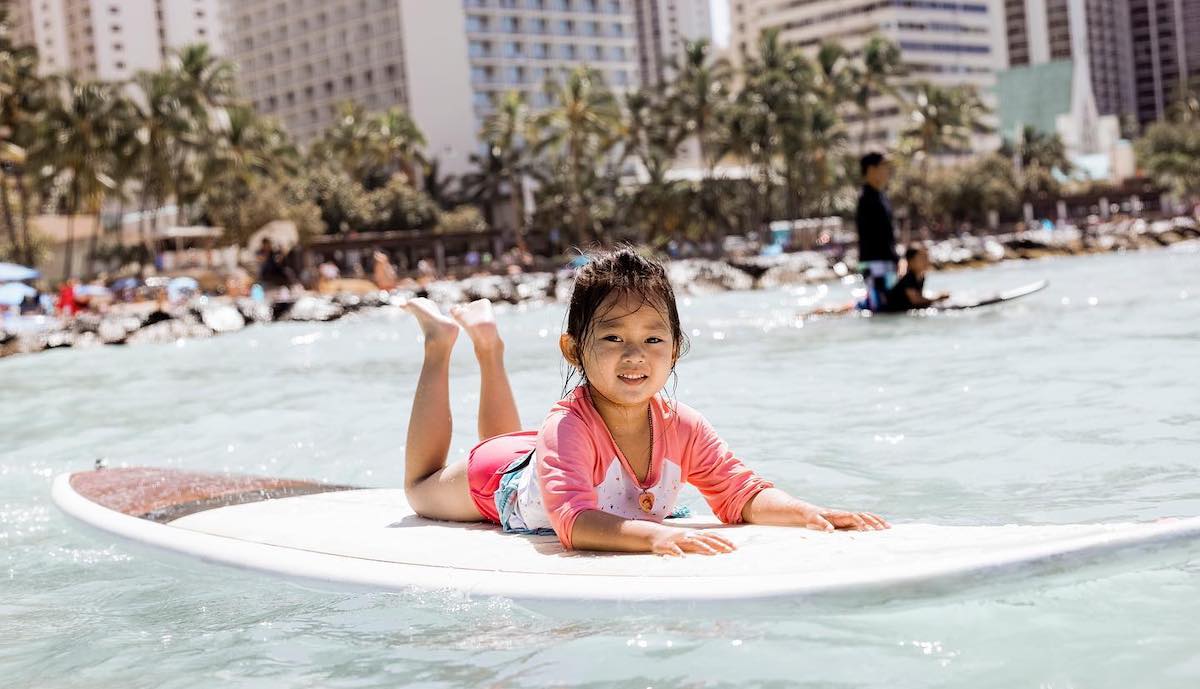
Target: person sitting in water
607, 466
908, 292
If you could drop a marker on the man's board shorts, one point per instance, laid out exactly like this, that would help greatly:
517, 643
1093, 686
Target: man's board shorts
490, 462
878, 278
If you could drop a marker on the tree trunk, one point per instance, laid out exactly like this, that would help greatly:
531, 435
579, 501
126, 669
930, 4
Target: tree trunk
23, 197
516, 190
95, 242
866, 131
9, 220
68, 252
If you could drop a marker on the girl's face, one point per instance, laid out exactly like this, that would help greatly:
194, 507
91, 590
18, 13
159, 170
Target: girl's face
630, 352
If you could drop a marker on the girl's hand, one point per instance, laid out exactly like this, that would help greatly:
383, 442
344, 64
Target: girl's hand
825, 519
675, 542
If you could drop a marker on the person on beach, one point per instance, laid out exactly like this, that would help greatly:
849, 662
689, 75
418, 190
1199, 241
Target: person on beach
606, 467
909, 290
876, 234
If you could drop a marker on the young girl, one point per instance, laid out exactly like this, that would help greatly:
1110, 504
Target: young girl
607, 465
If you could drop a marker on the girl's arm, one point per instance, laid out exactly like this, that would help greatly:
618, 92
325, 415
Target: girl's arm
775, 507
596, 530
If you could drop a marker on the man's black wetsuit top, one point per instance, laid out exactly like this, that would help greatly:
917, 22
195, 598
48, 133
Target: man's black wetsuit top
876, 234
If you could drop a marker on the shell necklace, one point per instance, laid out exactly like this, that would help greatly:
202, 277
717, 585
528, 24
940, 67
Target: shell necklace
646, 500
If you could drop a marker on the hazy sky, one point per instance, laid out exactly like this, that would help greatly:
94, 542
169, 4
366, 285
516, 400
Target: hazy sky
720, 21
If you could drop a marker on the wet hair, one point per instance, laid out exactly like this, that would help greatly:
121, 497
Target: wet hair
870, 160
914, 250
621, 272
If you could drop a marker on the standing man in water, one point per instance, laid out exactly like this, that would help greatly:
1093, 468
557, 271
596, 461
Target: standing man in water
876, 235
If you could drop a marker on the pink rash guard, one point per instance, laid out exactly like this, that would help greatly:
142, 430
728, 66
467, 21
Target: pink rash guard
578, 467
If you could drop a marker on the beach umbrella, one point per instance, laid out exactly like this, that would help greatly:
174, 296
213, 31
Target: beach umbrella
125, 283
181, 283
176, 287
92, 291
10, 272
13, 293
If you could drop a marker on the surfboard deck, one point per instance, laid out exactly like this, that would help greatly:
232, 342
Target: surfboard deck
369, 538
997, 298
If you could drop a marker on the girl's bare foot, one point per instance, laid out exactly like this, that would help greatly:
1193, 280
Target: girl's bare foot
479, 321
438, 329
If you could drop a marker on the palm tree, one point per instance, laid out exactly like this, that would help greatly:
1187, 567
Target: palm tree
506, 133
252, 147
23, 95
484, 185
371, 147
77, 144
752, 126
206, 82
941, 122
698, 95
165, 130
652, 135
204, 85
397, 143
578, 132
876, 74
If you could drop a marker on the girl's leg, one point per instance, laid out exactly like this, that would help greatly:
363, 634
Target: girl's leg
497, 406
433, 489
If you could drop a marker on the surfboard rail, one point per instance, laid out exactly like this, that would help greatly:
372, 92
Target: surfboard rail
596, 577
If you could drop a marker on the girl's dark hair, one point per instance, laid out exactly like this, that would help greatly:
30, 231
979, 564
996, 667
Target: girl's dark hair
625, 273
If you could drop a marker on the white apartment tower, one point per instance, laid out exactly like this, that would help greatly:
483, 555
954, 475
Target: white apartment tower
445, 61
518, 45
111, 40
299, 59
665, 27
946, 42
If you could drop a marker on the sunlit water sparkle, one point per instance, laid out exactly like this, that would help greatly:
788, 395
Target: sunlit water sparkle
1078, 404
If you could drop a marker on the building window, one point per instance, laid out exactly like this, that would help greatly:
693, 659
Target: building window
120, 66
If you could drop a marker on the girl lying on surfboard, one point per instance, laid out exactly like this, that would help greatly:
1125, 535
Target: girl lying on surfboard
609, 460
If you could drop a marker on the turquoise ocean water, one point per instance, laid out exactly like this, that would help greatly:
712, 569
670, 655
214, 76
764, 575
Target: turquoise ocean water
1078, 404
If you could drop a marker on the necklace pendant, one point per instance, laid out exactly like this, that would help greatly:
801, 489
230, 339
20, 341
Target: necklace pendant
646, 502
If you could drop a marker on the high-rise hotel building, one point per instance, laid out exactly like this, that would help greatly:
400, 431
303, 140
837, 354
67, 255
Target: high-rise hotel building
946, 42
517, 45
445, 61
665, 27
112, 39
1138, 52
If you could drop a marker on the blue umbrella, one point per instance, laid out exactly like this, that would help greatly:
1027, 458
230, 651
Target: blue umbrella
92, 291
182, 283
13, 293
126, 283
179, 286
10, 272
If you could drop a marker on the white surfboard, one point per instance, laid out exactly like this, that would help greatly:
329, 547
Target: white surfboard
360, 537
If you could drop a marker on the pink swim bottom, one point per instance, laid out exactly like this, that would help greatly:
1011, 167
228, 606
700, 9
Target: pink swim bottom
486, 465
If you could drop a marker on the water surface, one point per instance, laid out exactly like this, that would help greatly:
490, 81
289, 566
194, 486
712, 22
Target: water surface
1078, 404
